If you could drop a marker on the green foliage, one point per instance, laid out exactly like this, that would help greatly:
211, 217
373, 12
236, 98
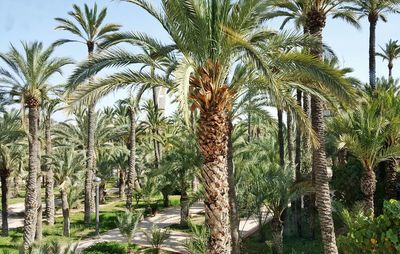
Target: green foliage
53, 247
197, 243
107, 247
372, 235
156, 237
128, 222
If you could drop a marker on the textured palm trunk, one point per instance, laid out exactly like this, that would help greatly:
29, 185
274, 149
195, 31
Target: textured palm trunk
290, 140
390, 67
65, 212
368, 187
249, 127
184, 204
133, 182
372, 54
297, 160
391, 179
31, 197
122, 183
90, 156
277, 235
316, 22
233, 212
212, 138
165, 195
49, 193
281, 139
4, 174
39, 221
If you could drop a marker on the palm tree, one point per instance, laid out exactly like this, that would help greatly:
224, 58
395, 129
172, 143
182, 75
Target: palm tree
27, 81
11, 148
390, 53
364, 133
133, 182
374, 10
68, 165
210, 35
89, 29
50, 107
127, 224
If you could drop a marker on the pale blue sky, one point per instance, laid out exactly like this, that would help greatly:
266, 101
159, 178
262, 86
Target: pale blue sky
30, 20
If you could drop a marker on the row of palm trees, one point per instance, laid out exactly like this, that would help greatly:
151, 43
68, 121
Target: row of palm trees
208, 38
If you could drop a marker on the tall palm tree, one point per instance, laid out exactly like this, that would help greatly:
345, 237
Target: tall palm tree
11, 150
26, 80
374, 10
133, 183
210, 35
390, 52
68, 165
87, 25
50, 107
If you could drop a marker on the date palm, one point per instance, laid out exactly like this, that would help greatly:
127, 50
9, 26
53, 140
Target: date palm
208, 36
49, 108
389, 53
26, 80
374, 10
88, 27
68, 165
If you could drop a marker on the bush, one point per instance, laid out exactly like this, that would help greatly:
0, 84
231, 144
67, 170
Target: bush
379, 235
107, 247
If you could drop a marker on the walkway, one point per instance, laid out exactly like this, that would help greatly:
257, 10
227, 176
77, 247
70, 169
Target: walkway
167, 217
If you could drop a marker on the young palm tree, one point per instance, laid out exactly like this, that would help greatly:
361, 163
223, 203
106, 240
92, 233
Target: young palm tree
364, 133
127, 224
390, 52
210, 36
88, 27
11, 148
374, 10
26, 80
68, 166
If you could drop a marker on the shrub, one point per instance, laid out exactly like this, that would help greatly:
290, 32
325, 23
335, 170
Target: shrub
379, 235
107, 247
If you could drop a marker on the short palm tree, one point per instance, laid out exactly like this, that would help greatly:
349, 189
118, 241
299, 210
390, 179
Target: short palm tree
87, 25
127, 224
210, 36
26, 80
374, 10
68, 165
364, 133
389, 53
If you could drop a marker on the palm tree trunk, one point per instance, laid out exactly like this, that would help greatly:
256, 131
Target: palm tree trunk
297, 205
249, 127
133, 182
391, 179
90, 156
31, 197
368, 187
65, 212
277, 234
372, 54
390, 67
233, 212
321, 184
39, 221
122, 183
184, 203
4, 174
316, 22
165, 195
49, 194
290, 140
281, 139
212, 137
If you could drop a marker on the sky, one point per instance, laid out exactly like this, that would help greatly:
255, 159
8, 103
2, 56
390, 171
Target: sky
33, 20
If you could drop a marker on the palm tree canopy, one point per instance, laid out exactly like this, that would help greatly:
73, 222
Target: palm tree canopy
374, 9
390, 52
27, 73
87, 25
